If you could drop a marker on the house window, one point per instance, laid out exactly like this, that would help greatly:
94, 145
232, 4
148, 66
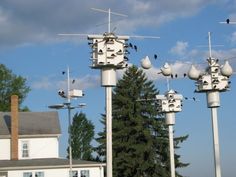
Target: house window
39, 174
27, 174
74, 173
25, 149
84, 173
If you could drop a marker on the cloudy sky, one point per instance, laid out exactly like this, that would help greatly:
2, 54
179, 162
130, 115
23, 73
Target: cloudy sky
30, 47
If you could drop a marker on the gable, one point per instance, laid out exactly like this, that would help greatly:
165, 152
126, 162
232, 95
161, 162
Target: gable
31, 123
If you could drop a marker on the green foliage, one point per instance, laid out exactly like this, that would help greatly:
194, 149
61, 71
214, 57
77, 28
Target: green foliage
11, 84
82, 133
140, 140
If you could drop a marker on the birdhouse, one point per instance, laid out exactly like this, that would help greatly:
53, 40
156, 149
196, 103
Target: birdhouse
215, 78
170, 102
108, 50
76, 93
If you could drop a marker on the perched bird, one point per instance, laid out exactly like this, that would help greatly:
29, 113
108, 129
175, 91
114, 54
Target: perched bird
135, 48
176, 75
171, 76
185, 98
185, 74
73, 81
194, 99
126, 58
227, 21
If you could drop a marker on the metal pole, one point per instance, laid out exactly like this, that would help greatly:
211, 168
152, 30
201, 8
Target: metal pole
109, 130
68, 84
172, 154
109, 20
216, 141
209, 43
69, 120
69, 131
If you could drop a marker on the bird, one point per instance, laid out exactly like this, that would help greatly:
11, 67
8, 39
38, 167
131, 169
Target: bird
194, 99
227, 21
130, 45
185, 74
127, 52
185, 98
135, 48
63, 72
126, 58
100, 51
171, 76
176, 75
73, 81
155, 56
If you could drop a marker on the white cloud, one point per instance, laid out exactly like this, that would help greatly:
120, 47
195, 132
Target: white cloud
180, 48
44, 83
233, 37
83, 83
27, 21
179, 67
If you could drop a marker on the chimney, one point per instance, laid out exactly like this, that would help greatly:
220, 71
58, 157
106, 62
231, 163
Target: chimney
14, 127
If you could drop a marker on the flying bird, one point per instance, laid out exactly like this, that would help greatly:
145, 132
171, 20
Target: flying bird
130, 45
63, 72
155, 56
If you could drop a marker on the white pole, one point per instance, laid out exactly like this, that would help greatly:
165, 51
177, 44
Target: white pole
109, 130
216, 141
172, 154
70, 149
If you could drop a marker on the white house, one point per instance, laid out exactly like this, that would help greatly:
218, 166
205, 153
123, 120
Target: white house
29, 147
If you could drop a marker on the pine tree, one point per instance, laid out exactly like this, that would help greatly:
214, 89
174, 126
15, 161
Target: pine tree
82, 133
140, 140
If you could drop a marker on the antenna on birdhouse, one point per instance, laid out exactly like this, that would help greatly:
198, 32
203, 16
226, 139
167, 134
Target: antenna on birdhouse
109, 16
209, 43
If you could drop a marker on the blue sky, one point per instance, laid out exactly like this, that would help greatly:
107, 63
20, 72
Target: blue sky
30, 47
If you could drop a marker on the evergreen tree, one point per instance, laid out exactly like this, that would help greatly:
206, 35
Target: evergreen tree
82, 133
101, 139
140, 140
11, 84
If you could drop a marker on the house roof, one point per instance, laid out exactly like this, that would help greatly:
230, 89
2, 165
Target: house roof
31, 123
45, 163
